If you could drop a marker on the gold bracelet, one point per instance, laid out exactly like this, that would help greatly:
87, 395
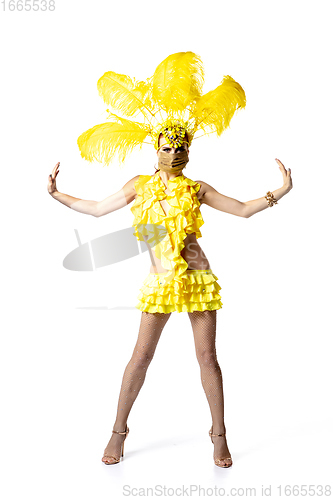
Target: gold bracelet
270, 199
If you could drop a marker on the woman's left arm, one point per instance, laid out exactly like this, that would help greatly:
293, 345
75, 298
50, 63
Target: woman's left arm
214, 199
255, 206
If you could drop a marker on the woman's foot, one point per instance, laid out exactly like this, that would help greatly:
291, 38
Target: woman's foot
112, 451
221, 449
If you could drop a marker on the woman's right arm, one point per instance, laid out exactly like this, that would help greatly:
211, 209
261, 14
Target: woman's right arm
95, 208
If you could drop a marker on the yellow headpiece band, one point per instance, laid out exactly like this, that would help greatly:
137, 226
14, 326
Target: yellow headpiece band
174, 132
169, 103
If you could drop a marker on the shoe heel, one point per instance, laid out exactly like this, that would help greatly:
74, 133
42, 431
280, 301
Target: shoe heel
126, 431
217, 461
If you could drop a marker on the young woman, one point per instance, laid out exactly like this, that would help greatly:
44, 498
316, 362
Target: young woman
180, 278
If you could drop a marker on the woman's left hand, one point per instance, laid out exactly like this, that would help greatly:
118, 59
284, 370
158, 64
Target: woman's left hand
286, 174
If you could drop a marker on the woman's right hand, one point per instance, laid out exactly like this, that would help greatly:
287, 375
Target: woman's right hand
51, 186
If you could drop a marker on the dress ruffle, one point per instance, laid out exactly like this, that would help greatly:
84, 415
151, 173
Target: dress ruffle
184, 217
200, 293
166, 234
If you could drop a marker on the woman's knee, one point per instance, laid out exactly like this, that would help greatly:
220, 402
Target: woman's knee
141, 358
206, 357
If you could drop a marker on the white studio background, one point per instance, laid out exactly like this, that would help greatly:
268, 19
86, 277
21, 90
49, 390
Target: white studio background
67, 336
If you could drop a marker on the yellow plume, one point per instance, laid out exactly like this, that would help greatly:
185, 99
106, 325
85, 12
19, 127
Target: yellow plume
170, 100
104, 141
215, 109
125, 94
177, 81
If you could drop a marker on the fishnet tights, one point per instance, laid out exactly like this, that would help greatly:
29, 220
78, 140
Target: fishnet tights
150, 330
151, 326
204, 332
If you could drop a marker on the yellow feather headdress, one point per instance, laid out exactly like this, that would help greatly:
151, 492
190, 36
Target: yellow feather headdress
169, 102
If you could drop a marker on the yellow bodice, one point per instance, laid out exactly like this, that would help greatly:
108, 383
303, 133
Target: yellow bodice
166, 233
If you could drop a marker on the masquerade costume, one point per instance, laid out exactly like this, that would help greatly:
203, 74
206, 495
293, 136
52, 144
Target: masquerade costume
170, 103
178, 289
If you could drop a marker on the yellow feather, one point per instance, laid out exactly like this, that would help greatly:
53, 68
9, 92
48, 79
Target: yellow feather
124, 94
215, 109
173, 93
106, 140
177, 81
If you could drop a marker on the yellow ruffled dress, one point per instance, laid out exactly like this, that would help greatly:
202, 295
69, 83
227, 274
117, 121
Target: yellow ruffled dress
178, 289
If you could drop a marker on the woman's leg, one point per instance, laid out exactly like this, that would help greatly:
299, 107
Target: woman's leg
204, 331
151, 327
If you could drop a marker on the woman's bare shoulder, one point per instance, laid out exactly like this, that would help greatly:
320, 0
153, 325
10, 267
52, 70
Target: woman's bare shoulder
205, 186
203, 189
202, 183
131, 183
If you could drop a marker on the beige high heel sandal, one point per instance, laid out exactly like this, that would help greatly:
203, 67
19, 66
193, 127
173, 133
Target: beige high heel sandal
117, 460
219, 460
